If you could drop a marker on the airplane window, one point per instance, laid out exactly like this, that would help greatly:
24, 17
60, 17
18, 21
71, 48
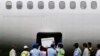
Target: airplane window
40, 4
83, 5
61, 4
19, 5
72, 4
51, 5
29, 4
8, 4
93, 4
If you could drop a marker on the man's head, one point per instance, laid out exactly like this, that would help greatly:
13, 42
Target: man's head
98, 46
60, 45
36, 46
13, 46
52, 45
85, 45
76, 45
89, 44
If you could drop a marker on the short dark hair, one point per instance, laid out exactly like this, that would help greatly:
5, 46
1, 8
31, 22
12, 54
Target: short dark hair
52, 45
76, 45
60, 45
89, 43
13, 46
84, 44
36, 45
98, 46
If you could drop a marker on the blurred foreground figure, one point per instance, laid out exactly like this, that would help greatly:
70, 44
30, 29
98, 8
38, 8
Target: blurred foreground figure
52, 51
86, 50
25, 52
43, 51
77, 51
61, 51
35, 51
98, 51
12, 51
91, 49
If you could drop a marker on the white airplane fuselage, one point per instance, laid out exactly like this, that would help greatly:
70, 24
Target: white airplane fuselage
20, 26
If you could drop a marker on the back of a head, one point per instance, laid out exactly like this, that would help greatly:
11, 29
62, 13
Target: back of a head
76, 45
36, 46
13, 46
89, 44
52, 45
60, 45
85, 45
98, 46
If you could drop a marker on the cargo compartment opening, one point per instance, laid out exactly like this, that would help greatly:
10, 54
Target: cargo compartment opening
45, 39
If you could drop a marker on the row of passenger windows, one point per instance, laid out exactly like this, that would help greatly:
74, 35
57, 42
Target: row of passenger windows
51, 5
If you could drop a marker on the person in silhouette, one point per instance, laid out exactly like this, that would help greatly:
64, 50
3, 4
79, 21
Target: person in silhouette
98, 51
91, 50
77, 51
13, 51
86, 50
61, 51
25, 52
35, 51
51, 51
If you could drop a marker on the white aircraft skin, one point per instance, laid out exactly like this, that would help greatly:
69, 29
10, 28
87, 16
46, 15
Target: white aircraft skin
20, 26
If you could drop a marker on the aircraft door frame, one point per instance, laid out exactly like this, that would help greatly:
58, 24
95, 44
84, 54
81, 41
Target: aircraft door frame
57, 36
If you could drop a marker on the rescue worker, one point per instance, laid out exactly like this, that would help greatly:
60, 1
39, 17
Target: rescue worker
51, 51
61, 51
12, 51
25, 52
98, 51
91, 49
86, 50
77, 51
35, 51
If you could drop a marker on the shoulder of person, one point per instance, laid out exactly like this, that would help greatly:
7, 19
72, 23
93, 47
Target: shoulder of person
13, 50
31, 50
